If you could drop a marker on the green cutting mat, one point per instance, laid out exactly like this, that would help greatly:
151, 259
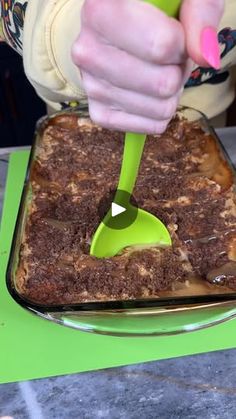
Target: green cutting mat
31, 347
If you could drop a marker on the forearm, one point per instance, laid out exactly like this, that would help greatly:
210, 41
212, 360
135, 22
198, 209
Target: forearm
50, 29
43, 32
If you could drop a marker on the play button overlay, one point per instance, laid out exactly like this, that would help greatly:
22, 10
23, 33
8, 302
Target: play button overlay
117, 210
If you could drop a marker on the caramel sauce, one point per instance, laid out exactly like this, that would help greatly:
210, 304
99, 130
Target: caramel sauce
219, 275
214, 167
59, 225
63, 121
196, 286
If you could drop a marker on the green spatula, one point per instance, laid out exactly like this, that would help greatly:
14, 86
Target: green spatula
125, 225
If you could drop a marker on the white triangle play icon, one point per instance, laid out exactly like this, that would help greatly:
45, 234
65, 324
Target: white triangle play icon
116, 209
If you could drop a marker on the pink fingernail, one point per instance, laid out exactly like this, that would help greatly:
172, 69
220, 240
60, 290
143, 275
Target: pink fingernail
210, 47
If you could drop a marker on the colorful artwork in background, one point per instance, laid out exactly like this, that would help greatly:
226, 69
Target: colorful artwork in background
12, 15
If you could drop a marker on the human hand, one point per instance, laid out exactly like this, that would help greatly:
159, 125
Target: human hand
133, 62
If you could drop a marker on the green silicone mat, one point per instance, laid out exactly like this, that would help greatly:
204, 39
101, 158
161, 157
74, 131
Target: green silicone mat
31, 347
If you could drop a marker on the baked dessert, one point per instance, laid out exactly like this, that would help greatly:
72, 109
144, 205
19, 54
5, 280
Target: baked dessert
184, 180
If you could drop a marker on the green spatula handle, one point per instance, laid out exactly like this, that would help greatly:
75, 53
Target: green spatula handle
171, 7
134, 143
133, 150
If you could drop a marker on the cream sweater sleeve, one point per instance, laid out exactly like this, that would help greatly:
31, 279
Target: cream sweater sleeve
50, 27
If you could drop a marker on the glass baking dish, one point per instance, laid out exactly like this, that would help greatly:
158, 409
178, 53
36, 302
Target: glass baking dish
144, 317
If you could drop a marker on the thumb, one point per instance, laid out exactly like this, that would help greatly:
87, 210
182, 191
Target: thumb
200, 19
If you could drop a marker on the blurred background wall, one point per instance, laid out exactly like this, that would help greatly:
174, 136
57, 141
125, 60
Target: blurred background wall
19, 105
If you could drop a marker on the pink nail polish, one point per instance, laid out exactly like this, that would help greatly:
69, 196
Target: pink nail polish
210, 47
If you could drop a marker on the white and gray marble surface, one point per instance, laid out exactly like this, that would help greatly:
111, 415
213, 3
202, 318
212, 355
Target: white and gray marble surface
195, 387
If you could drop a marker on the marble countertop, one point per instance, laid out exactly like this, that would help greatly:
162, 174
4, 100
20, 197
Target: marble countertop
200, 386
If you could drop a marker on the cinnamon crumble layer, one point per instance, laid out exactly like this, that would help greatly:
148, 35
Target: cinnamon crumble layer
183, 180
